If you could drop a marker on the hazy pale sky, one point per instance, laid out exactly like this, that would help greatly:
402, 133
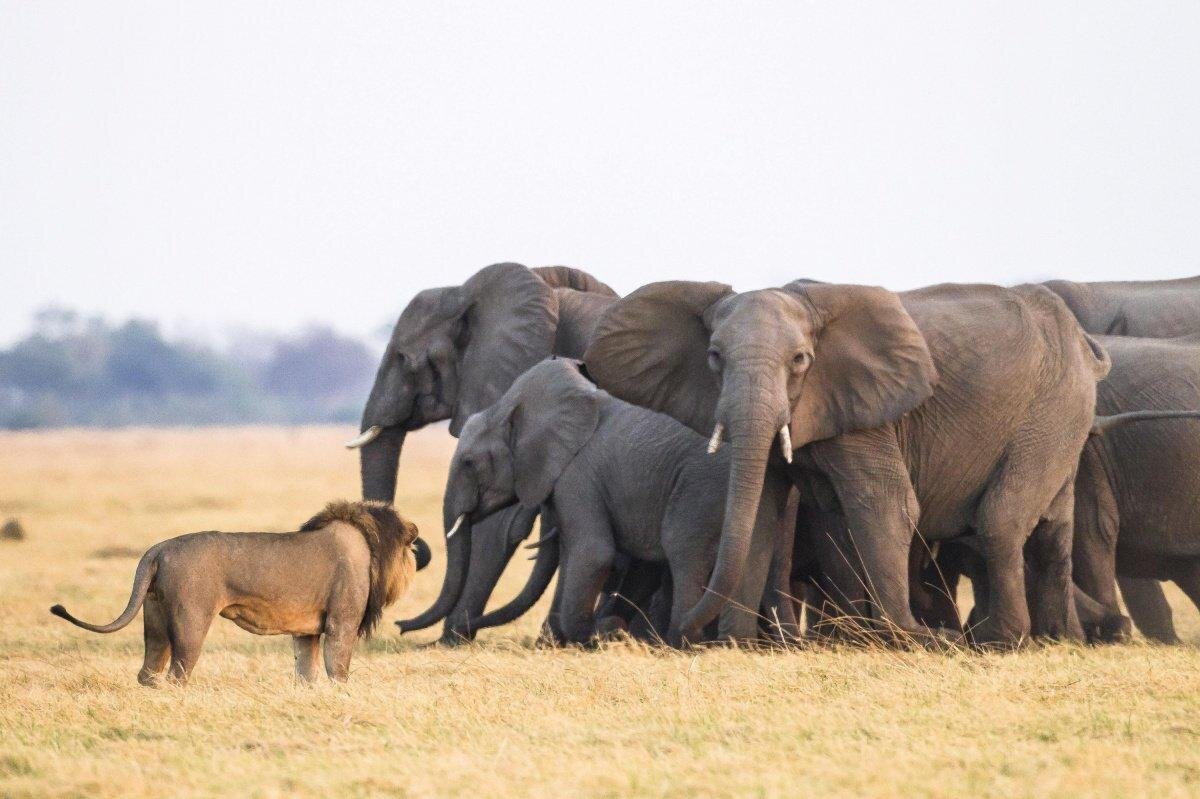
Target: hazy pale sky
271, 164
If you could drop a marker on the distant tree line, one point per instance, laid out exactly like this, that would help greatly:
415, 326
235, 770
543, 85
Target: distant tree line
74, 371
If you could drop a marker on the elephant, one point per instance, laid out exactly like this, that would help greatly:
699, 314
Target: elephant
453, 352
1149, 309
1137, 486
931, 412
619, 478
1141, 308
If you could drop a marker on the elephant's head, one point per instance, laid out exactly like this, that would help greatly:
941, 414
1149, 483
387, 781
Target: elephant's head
453, 352
512, 453
777, 367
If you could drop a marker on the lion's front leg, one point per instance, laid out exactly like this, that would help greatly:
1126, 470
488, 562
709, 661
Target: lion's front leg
307, 648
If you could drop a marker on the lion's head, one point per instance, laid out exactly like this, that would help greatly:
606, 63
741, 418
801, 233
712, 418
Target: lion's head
389, 538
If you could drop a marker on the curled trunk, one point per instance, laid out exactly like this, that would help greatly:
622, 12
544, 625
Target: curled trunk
458, 560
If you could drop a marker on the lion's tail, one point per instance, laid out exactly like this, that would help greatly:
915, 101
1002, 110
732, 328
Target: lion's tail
146, 569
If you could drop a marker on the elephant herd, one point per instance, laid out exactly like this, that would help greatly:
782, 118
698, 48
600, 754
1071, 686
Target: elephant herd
812, 459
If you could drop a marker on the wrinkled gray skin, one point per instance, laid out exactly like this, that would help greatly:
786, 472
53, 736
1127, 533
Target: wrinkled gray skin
1149, 309
943, 409
620, 479
453, 352
1135, 497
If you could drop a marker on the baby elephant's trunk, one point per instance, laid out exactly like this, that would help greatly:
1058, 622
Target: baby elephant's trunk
146, 569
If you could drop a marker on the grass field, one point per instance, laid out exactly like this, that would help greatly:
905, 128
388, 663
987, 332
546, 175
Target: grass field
502, 717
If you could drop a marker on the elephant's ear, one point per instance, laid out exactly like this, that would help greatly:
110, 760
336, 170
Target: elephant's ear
870, 366
510, 319
568, 277
651, 349
555, 414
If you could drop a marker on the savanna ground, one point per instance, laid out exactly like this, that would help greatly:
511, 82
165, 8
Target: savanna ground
502, 717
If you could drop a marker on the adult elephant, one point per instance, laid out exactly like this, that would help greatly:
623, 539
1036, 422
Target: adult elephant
937, 410
1143, 308
1149, 309
454, 351
1136, 493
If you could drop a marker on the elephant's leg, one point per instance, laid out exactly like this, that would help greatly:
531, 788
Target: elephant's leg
1093, 553
654, 622
1033, 484
627, 603
688, 580
934, 583
880, 509
1054, 611
1187, 577
552, 630
493, 542
588, 551
1149, 608
778, 604
835, 596
158, 643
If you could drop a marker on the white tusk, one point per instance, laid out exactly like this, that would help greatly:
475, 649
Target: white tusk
365, 437
714, 443
785, 443
457, 523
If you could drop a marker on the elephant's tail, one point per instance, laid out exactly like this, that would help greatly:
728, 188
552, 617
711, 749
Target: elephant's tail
1102, 424
142, 578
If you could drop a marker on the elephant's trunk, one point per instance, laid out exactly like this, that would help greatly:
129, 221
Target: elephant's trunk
458, 561
378, 463
752, 435
543, 571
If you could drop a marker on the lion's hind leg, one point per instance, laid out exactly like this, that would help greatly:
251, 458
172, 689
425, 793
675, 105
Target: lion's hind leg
187, 625
158, 643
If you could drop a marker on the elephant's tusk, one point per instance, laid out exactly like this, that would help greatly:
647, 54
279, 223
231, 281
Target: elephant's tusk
553, 534
457, 523
785, 443
714, 443
365, 437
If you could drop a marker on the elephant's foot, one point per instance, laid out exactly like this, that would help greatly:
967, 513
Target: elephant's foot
992, 635
612, 628
456, 636
1112, 629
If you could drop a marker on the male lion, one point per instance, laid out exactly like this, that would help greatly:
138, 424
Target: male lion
333, 577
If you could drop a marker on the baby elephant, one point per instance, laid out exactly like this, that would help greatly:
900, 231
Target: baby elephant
333, 577
619, 478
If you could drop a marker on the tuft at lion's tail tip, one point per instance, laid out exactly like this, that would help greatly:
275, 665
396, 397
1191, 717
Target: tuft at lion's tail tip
60, 611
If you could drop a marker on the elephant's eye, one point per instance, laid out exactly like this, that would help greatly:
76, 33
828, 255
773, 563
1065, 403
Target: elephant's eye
714, 360
801, 360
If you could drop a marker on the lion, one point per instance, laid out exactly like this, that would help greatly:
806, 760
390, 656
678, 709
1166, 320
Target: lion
332, 577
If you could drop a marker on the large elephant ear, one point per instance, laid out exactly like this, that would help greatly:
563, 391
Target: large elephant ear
555, 413
651, 349
511, 315
568, 277
870, 366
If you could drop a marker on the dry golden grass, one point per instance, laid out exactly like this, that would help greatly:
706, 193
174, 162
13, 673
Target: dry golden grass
501, 717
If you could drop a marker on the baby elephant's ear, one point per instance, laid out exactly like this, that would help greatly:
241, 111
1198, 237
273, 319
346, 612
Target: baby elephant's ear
555, 414
651, 349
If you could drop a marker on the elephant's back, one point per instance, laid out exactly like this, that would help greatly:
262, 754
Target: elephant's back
1152, 308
